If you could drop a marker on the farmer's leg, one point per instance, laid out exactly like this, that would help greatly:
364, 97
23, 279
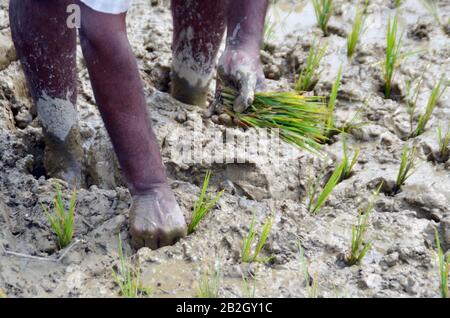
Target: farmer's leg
155, 217
198, 31
47, 49
240, 64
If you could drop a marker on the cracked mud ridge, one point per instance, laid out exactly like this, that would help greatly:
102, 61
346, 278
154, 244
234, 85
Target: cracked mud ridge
402, 261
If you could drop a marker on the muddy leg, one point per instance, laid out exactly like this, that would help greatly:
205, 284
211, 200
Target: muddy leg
198, 31
240, 64
47, 50
155, 217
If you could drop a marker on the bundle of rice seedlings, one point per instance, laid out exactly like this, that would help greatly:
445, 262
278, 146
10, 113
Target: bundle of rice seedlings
203, 205
310, 74
357, 29
247, 255
436, 93
444, 267
359, 247
61, 220
393, 56
298, 119
407, 167
323, 10
128, 277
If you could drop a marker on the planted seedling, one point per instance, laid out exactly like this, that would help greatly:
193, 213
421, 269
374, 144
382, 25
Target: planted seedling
444, 266
412, 97
357, 29
311, 283
432, 8
248, 290
393, 55
298, 119
359, 247
61, 220
330, 127
203, 205
247, 255
444, 142
209, 285
316, 199
128, 277
407, 167
310, 74
436, 93
346, 162
323, 10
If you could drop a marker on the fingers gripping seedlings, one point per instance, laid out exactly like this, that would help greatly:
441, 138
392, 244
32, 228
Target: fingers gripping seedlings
444, 267
310, 74
359, 247
128, 277
203, 205
247, 255
62, 221
407, 167
323, 10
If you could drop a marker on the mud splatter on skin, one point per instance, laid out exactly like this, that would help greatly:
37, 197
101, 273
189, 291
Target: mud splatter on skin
401, 262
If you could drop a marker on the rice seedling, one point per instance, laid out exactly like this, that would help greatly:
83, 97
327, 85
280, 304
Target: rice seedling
62, 221
346, 162
355, 34
407, 167
432, 8
393, 56
246, 254
316, 199
309, 75
444, 143
128, 277
323, 10
411, 100
311, 284
330, 127
248, 290
398, 3
444, 267
436, 93
298, 119
209, 285
203, 205
359, 247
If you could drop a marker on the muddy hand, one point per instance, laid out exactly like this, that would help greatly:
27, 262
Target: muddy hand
156, 219
242, 72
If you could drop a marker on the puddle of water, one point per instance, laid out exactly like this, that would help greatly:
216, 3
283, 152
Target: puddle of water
289, 16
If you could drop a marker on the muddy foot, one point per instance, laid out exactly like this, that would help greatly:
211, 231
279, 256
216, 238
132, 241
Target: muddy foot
156, 219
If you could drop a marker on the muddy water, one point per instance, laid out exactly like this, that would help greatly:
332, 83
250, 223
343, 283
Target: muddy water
402, 261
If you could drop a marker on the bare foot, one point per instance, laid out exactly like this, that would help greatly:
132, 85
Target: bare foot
156, 219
